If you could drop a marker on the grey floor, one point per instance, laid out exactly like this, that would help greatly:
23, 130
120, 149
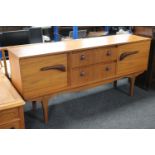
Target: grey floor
110, 109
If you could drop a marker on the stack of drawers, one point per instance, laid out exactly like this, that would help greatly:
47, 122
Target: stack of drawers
93, 65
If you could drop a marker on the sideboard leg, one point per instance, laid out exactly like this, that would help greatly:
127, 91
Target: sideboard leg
115, 84
44, 103
34, 105
132, 83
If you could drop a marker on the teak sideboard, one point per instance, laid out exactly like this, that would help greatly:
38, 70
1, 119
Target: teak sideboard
39, 71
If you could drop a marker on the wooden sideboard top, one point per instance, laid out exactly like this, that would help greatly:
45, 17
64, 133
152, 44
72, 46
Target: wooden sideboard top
9, 98
31, 50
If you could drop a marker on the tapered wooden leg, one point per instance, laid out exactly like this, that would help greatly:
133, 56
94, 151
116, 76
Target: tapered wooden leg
132, 83
115, 84
44, 103
34, 105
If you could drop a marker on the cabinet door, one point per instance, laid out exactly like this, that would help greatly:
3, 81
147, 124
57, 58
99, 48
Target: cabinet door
43, 75
133, 57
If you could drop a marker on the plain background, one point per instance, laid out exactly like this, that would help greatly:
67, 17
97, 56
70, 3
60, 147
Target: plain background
80, 13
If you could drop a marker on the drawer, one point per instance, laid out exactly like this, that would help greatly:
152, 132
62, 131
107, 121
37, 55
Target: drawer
42, 75
82, 75
93, 56
103, 71
82, 58
105, 54
98, 72
8, 115
11, 125
133, 57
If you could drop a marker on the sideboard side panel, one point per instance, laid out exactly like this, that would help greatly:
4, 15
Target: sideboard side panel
15, 72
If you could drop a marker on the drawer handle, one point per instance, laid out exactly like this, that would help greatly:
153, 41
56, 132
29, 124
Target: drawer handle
82, 73
56, 67
107, 69
126, 54
109, 53
82, 57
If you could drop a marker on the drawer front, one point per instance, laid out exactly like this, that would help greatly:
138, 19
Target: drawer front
42, 75
82, 58
81, 75
8, 115
105, 54
93, 56
133, 57
103, 71
93, 73
11, 125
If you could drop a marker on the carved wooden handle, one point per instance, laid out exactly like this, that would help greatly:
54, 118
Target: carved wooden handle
126, 54
56, 67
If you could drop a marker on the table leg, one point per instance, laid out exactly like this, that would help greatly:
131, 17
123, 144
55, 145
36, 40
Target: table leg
132, 83
34, 105
115, 84
44, 103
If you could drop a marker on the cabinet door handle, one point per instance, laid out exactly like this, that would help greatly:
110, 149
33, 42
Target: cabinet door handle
56, 67
126, 54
